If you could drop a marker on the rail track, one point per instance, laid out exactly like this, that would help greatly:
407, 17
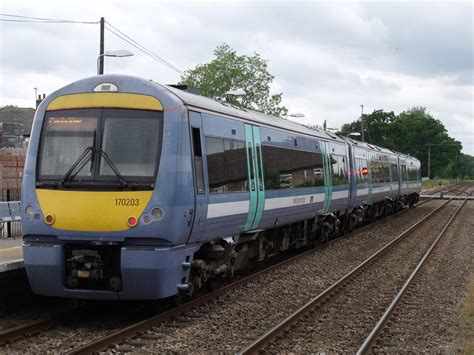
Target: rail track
117, 337
286, 327
385, 319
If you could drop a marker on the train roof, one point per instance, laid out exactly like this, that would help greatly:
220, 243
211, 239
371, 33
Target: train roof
209, 104
370, 146
378, 148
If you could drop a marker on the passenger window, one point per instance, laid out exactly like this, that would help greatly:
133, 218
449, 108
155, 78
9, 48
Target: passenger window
339, 170
290, 168
361, 170
226, 165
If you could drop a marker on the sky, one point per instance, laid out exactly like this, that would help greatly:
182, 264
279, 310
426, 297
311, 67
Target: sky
328, 57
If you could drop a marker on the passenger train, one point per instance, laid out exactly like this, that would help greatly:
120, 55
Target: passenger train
136, 190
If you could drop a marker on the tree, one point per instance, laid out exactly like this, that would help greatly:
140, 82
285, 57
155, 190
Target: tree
412, 132
466, 167
229, 71
376, 126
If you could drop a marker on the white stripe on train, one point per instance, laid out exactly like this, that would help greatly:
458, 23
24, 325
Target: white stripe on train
225, 209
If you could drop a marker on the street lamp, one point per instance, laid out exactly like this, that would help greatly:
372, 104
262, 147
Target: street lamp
118, 53
238, 92
296, 115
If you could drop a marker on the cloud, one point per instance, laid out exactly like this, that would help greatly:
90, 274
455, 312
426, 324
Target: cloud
328, 58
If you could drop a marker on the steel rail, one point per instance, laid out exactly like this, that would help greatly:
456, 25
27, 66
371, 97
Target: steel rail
374, 334
32, 328
282, 327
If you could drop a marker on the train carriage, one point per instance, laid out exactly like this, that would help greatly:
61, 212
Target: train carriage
135, 190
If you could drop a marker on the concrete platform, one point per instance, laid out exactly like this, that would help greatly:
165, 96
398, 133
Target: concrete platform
11, 254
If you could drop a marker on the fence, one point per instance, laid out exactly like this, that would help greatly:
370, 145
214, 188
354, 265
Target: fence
10, 225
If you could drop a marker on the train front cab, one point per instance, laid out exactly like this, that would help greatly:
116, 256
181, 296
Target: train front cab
115, 227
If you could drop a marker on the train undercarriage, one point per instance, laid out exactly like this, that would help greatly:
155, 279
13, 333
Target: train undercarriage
224, 257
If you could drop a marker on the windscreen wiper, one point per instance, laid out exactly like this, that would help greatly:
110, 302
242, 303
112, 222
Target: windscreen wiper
112, 166
80, 160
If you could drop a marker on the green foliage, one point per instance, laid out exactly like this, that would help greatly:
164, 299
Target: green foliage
411, 132
466, 167
229, 71
377, 127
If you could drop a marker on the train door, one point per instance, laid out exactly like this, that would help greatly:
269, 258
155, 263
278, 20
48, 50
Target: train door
201, 197
256, 183
370, 177
354, 173
327, 169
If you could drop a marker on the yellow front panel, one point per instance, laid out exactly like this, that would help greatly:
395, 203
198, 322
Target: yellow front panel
91, 211
102, 99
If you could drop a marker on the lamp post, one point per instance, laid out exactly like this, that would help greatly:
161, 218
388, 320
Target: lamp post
356, 134
362, 122
238, 92
118, 54
295, 115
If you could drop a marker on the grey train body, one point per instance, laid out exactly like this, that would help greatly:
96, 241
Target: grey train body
230, 187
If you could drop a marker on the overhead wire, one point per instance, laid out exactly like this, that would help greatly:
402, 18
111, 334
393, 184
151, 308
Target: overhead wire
108, 26
20, 18
114, 30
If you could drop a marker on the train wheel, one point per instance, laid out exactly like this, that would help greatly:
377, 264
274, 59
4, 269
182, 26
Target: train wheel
324, 233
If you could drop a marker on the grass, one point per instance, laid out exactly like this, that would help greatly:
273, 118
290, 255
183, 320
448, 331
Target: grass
436, 183
432, 184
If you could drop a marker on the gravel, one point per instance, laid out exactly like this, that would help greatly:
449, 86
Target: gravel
342, 323
427, 317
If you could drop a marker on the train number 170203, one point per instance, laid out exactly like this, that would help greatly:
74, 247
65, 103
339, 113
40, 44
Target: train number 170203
127, 202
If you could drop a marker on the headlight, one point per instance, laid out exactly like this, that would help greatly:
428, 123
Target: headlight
157, 213
29, 211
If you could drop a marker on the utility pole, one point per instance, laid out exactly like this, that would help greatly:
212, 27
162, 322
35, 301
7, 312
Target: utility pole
101, 51
362, 122
429, 161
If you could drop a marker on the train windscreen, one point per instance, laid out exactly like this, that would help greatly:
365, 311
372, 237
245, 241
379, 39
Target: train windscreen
100, 146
